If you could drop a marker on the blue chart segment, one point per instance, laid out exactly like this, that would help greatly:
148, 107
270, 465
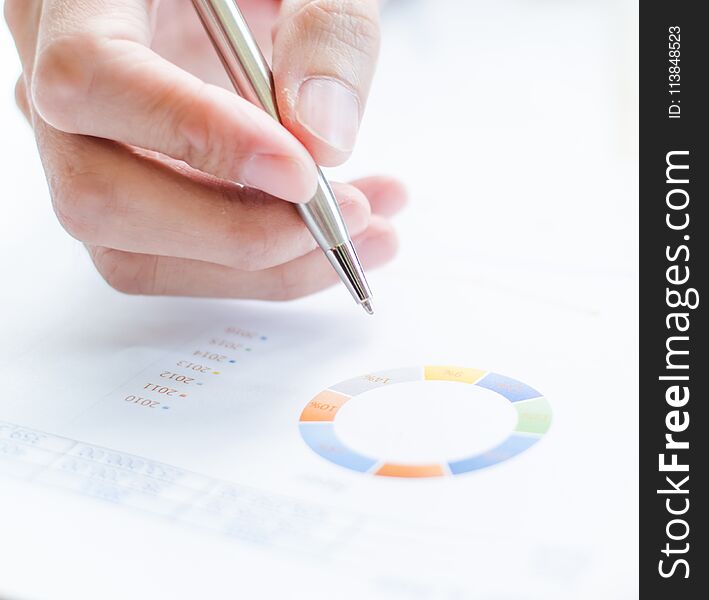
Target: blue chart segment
317, 421
513, 390
321, 438
512, 446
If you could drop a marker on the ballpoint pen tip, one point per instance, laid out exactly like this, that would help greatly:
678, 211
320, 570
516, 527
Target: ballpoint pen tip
367, 305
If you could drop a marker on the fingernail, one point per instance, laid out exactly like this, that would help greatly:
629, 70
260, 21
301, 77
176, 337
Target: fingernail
280, 176
329, 111
375, 250
356, 216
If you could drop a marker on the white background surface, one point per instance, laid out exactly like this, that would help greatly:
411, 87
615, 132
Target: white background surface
514, 125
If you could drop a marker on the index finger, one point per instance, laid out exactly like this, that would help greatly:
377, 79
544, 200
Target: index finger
95, 75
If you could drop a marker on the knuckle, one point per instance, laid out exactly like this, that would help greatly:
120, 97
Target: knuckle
285, 293
289, 286
81, 201
252, 243
347, 21
191, 123
111, 266
210, 145
125, 273
62, 78
253, 249
21, 94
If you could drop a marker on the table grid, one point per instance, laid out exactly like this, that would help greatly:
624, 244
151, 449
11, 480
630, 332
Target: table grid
170, 492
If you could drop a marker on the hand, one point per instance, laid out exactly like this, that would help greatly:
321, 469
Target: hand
176, 185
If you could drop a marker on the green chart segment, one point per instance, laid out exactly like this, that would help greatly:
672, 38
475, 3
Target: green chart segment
317, 421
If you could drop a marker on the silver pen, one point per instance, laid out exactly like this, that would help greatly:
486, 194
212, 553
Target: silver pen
249, 72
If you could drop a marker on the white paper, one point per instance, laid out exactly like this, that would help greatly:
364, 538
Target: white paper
511, 263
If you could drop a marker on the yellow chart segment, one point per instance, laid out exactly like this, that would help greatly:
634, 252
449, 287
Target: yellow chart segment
461, 374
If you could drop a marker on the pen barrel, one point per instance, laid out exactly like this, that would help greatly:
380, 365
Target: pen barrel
251, 76
240, 54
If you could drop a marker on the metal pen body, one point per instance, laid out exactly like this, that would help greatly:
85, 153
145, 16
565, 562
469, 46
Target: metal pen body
249, 72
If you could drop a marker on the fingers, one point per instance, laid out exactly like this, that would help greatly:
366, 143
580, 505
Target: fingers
386, 195
95, 75
107, 195
324, 55
157, 275
158, 226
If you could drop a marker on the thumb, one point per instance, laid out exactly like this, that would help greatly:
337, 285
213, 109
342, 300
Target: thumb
324, 54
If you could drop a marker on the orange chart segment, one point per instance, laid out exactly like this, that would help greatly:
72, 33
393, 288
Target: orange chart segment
397, 470
324, 406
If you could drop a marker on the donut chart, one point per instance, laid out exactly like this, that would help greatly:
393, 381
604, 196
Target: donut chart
317, 421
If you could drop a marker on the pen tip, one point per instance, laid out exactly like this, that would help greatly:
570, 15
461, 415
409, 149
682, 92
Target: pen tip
367, 305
